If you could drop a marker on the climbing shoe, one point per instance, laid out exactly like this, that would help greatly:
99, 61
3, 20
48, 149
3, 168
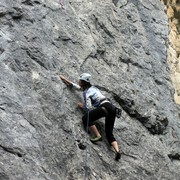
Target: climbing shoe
118, 156
96, 138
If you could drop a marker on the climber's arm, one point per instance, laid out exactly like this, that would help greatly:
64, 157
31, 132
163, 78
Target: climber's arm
65, 80
69, 83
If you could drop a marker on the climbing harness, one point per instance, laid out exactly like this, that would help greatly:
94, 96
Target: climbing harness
86, 152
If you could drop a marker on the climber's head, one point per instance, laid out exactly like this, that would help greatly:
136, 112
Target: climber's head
84, 80
85, 77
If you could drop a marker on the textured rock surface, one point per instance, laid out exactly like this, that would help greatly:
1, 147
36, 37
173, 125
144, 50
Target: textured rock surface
173, 12
123, 44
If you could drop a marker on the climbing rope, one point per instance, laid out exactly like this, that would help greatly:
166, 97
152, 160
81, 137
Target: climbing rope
86, 152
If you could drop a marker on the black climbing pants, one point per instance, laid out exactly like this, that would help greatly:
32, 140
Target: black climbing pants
106, 110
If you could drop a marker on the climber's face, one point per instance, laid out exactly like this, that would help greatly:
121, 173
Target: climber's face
80, 83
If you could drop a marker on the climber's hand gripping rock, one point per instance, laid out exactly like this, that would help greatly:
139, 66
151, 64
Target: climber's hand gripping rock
65, 80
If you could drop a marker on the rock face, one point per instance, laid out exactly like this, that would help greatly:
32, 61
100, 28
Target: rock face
173, 12
123, 45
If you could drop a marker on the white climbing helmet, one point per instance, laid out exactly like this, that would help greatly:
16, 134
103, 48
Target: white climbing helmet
85, 77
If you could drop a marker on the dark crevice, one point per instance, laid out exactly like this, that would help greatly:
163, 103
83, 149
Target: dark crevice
3, 11
1, 51
27, 2
115, 2
37, 2
105, 60
99, 54
145, 7
89, 56
81, 146
129, 61
14, 151
2, 108
30, 123
157, 127
36, 55
16, 13
65, 40
175, 156
30, 2
100, 25
44, 169
128, 105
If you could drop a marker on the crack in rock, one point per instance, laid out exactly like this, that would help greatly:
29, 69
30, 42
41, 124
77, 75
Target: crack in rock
102, 26
1, 50
155, 125
31, 2
99, 54
36, 55
15, 151
16, 13
129, 61
119, 3
174, 156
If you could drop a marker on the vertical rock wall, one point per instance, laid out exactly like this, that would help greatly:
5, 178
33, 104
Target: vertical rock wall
123, 45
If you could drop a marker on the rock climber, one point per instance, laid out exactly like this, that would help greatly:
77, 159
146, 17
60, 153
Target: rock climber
96, 106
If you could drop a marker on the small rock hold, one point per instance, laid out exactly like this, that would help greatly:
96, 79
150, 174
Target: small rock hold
3, 11
1, 51
82, 146
175, 156
16, 13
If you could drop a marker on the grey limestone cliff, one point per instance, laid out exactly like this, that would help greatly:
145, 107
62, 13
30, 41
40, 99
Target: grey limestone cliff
123, 44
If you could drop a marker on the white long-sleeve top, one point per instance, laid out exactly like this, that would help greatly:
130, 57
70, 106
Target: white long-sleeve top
92, 97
